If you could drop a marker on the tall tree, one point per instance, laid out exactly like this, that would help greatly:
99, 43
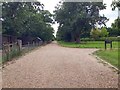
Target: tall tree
27, 20
76, 19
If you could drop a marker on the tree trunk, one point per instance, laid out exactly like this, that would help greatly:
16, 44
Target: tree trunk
72, 37
78, 39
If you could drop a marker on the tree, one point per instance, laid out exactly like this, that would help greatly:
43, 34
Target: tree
104, 32
27, 20
77, 19
115, 4
95, 33
116, 26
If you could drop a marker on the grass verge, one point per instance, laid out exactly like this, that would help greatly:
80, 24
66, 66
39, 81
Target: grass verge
87, 44
111, 56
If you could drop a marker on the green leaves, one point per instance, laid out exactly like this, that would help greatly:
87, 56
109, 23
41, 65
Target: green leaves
115, 4
104, 32
27, 20
77, 19
97, 33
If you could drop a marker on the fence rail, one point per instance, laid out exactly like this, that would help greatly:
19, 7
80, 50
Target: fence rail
9, 51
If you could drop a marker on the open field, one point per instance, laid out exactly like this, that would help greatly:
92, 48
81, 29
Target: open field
87, 44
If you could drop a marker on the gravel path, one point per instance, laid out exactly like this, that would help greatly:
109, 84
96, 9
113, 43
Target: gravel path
53, 66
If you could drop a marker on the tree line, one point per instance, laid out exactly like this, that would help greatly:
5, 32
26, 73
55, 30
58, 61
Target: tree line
27, 21
80, 20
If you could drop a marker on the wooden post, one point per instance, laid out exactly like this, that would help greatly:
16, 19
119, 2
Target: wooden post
111, 45
33, 43
28, 45
108, 42
19, 44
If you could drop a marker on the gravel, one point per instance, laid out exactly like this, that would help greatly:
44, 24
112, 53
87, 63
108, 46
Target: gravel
53, 66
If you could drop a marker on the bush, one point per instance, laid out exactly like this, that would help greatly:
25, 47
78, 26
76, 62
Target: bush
95, 33
100, 39
99, 33
104, 32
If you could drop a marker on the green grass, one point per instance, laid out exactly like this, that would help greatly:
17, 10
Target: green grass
87, 44
110, 56
15, 53
12, 54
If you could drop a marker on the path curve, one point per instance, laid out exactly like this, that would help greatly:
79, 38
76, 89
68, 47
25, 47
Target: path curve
53, 66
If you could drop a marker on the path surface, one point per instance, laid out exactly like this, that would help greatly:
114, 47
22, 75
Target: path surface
53, 66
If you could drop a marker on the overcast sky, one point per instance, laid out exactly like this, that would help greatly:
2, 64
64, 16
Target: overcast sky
111, 15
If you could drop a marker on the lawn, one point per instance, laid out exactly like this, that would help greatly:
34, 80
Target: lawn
110, 56
87, 44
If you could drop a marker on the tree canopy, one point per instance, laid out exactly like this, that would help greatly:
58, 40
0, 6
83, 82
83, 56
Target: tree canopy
116, 27
27, 20
115, 4
77, 19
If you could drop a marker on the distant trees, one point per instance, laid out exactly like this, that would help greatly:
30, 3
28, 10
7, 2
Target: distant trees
77, 19
104, 32
97, 33
116, 27
27, 20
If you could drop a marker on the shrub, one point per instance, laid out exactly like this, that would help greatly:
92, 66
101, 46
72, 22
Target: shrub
100, 39
104, 32
95, 33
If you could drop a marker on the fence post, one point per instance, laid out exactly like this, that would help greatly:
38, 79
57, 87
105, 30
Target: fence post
19, 44
28, 45
33, 43
111, 45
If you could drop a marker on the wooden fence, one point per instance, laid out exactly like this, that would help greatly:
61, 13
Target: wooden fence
9, 51
12, 47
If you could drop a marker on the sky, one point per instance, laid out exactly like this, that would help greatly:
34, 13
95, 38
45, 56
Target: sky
111, 15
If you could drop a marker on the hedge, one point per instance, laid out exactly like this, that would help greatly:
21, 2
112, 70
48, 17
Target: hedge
101, 39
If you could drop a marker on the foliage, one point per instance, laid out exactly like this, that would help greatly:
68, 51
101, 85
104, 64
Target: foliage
95, 33
100, 39
104, 32
116, 26
115, 4
27, 20
113, 32
76, 19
